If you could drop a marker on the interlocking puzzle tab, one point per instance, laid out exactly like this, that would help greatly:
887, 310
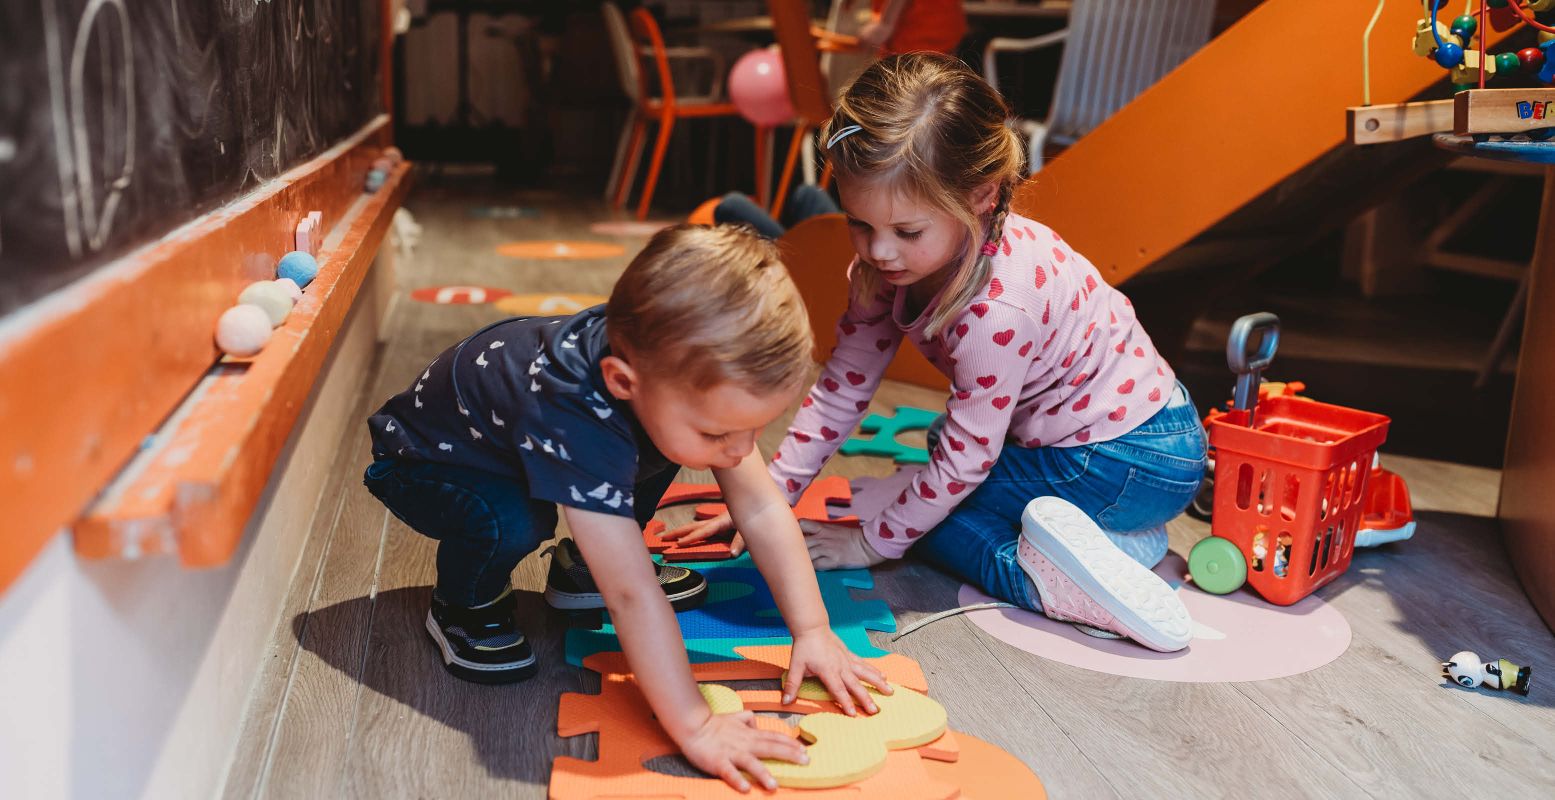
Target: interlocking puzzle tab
884, 431
950, 766
812, 505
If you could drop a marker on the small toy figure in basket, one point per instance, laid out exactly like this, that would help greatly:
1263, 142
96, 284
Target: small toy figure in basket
1468, 671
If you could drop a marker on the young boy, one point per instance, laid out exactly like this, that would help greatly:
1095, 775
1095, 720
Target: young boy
703, 343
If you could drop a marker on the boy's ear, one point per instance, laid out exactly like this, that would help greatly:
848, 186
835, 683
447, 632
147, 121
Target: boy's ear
620, 379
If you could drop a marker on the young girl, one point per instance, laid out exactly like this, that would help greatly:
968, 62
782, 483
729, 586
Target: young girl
1067, 443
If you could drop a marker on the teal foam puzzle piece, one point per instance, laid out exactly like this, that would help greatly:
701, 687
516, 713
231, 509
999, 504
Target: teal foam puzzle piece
741, 612
884, 430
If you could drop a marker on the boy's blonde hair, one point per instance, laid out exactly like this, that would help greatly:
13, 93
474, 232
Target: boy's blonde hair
932, 129
711, 305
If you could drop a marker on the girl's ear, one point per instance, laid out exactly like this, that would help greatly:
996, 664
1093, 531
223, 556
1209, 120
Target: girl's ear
620, 379
983, 198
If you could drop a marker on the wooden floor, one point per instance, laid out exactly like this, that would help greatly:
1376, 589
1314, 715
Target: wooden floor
354, 701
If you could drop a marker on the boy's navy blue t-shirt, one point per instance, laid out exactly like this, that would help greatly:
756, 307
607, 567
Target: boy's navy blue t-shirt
525, 398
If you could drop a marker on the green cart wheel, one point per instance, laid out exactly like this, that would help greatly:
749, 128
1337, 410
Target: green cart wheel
1217, 566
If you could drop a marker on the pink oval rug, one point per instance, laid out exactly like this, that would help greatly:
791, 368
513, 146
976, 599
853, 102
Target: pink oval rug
1237, 637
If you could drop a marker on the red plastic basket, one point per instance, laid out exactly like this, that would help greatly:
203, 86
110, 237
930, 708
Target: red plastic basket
1291, 490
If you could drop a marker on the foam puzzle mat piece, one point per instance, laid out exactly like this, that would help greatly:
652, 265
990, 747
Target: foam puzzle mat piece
814, 504
732, 616
986, 772
845, 750
884, 430
629, 737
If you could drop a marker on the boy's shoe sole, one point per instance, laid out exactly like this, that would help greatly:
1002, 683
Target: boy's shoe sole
591, 601
1081, 576
510, 672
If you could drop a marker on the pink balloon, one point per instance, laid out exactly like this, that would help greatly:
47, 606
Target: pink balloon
759, 88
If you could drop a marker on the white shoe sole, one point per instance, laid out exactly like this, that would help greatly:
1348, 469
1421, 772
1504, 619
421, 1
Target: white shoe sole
568, 601
1146, 608
451, 659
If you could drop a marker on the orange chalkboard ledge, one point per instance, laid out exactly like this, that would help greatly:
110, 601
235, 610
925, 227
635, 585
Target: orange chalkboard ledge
192, 491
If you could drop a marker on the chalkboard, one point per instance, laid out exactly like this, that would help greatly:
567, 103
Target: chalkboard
122, 119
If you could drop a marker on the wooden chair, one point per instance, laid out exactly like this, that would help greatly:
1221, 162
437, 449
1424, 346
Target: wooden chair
801, 44
1113, 50
644, 40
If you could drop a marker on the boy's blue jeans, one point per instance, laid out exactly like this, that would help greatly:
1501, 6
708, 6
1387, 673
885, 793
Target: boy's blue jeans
1130, 484
804, 202
485, 523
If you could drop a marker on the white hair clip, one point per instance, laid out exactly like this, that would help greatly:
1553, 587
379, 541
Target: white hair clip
842, 134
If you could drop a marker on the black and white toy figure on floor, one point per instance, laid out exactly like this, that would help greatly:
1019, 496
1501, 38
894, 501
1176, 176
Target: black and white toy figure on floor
1468, 671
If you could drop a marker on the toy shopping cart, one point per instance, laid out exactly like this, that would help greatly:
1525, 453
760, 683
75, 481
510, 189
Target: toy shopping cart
1290, 481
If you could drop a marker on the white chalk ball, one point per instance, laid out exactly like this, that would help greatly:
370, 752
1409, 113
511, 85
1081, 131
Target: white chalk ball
242, 330
270, 298
291, 288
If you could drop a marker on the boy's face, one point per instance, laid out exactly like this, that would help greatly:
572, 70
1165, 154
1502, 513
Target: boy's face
713, 428
905, 239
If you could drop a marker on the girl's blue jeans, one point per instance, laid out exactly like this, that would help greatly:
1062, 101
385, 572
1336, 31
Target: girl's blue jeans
1128, 485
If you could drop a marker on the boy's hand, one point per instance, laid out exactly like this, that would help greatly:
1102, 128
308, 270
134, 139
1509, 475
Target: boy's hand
703, 529
834, 546
728, 744
820, 653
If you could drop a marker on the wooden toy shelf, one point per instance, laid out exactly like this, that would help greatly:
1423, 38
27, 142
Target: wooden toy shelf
193, 489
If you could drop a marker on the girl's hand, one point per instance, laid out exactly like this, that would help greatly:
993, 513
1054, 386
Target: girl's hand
834, 546
700, 530
727, 745
820, 653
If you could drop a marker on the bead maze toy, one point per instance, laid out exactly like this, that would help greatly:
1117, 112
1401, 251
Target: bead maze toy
1291, 479
812, 505
897, 756
884, 430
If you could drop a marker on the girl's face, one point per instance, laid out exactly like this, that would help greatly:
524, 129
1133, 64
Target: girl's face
905, 239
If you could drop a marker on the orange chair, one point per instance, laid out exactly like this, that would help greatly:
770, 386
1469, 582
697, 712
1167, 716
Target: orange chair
801, 44
664, 109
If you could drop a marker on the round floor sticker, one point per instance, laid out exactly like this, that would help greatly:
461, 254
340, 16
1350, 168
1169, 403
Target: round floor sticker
458, 295
1237, 637
560, 250
546, 305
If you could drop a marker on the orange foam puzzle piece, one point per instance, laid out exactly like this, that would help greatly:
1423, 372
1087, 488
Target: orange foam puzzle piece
812, 505
629, 736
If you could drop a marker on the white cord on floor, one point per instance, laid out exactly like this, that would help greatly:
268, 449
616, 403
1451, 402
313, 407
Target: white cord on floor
951, 613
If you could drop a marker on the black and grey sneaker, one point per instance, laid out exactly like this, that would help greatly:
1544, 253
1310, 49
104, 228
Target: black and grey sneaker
570, 587
481, 644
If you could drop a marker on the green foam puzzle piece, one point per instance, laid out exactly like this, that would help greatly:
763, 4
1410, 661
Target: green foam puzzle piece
884, 431
740, 603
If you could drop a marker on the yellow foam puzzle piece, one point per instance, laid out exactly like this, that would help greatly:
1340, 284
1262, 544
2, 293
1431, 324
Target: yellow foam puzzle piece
721, 699
845, 749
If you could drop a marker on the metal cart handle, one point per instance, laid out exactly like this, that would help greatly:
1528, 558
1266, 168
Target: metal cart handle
1249, 368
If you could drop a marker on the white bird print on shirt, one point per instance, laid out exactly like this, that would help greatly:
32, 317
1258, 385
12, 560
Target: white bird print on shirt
527, 445
495, 345
600, 491
561, 450
496, 420
576, 498
418, 401
446, 447
475, 434
480, 360
389, 428
614, 502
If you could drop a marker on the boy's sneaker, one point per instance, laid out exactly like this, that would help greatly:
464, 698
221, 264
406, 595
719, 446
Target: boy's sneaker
1081, 576
481, 644
570, 587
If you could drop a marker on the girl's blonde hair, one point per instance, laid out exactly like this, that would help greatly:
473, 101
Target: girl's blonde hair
706, 305
927, 126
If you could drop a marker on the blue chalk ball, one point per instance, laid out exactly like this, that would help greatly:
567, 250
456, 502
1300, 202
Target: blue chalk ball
375, 179
298, 266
